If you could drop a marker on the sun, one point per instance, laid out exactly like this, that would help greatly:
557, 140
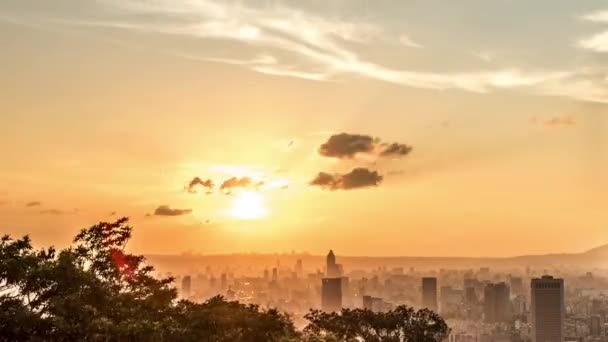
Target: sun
248, 205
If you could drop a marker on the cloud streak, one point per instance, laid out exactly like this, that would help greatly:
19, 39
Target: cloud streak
325, 48
165, 210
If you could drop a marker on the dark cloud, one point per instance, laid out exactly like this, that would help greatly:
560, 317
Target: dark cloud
165, 210
345, 145
208, 184
395, 149
235, 182
54, 212
33, 204
560, 121
357, 178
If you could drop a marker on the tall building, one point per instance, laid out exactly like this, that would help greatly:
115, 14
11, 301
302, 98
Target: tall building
332, 269
331, 294
547, 309
186, 286
299, 268
496, 303
517, 286
429, 293
595, 325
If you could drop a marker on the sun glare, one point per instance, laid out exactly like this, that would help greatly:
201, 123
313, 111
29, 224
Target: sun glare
248, 205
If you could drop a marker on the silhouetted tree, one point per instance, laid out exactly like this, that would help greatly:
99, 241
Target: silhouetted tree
403, 324
96, 291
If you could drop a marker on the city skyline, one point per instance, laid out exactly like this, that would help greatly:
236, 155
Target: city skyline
413, 128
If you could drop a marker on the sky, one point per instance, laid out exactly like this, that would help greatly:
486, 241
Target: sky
384, 128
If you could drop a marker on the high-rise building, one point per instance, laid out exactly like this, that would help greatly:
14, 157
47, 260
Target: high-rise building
332, 269
496, 303
595, 325
186, 286
331, 294
429, 293
299, 268
547, 309
517, 286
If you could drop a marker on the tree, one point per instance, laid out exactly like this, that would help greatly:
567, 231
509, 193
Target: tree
403, 324
96, 291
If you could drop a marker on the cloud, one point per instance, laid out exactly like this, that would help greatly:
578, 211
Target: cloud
33, 204
54, 212
357, 178
597, 16
599, 41
165, 210
321, 48
345, 145
407, 41
485, 56
236, 182
208, 184
560, 121
395, 149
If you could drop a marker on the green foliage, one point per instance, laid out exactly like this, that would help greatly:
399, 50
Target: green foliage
403, 324
96, 291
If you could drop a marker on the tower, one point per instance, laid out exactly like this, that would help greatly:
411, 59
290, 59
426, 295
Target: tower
429, 293
547, 309
331, 267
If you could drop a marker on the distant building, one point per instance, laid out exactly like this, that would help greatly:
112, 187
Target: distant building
376, 304
275, 274
496, 303
547, 310
595, 325
186, 286
517, 286
223, 281
332, 269
429, 293
331, 294
299, 268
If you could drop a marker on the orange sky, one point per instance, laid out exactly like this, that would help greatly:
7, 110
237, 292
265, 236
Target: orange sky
113, 107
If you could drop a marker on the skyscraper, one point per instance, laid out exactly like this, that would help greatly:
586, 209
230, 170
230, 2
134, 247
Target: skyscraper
547, 309
496, 303
429, 293
186, 286
332, 269
331, 294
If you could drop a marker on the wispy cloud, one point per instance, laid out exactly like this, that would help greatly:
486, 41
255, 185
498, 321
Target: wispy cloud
407, 41
321, 48
597, 16
599, 41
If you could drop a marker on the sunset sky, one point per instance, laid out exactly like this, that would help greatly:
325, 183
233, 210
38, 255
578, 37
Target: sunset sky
430, 128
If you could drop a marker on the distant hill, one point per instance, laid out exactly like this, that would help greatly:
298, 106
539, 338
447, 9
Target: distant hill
593, 258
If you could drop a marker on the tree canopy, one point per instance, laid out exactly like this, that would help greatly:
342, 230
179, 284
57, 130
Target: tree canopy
96, 291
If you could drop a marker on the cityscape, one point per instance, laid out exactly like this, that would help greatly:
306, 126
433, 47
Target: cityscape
482, 304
